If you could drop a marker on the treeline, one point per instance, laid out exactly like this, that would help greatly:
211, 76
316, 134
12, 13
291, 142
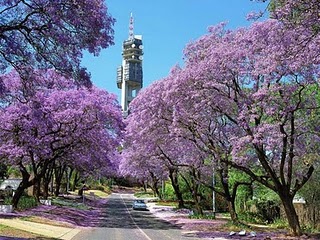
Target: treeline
246, 101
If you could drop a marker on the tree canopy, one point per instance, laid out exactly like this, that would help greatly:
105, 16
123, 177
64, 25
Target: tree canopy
61, 121
245, 98
52, 34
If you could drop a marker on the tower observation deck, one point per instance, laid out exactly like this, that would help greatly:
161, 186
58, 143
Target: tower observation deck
129, 74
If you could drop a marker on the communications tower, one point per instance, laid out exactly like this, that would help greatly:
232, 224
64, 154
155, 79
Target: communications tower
129, 74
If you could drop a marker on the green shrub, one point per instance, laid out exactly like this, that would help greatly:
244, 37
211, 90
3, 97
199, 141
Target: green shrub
25, 202
308, 228
280, 223
199, 216
143, 194
231, 226
251, 217
7, 201
69, 203
98, 187
167, 203
168, 193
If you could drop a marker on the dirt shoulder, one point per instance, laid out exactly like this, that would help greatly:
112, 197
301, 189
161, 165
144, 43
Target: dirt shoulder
68, 212
219, 227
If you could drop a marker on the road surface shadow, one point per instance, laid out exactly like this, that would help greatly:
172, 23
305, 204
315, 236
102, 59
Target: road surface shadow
118, 215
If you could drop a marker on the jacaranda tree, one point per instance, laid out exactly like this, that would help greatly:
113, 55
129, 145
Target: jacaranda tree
197, 121
142, 159
297, 13
255, 89
150, 141
58, 121
260, 79
42, 34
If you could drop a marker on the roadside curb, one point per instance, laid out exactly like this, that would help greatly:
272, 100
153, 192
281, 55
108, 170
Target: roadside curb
41, 229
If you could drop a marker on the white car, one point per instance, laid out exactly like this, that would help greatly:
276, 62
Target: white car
139, 205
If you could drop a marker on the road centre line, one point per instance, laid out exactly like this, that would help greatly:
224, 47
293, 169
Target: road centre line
135, 224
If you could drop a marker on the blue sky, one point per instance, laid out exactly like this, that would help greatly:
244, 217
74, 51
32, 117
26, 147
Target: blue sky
166, 27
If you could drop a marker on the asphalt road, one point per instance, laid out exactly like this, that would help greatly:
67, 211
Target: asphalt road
120, 222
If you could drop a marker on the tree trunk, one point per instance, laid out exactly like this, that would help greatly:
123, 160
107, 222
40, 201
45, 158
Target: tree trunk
57, 189
173, 174
17, 195
59, 172
291, 214
71, 188
155, 189
22, 186
193, 188
232, 210
197, 206
26, 181
46, 189
75, 181
154, 185
195, 192
144, 186
46, 180
36, 191
229, 194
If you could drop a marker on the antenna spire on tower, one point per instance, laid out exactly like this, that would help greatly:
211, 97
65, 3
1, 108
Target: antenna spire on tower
131, 28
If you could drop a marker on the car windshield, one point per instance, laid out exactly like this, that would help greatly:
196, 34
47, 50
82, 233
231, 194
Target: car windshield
139, 201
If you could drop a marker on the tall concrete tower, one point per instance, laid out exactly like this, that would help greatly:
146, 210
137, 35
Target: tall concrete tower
129, 74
